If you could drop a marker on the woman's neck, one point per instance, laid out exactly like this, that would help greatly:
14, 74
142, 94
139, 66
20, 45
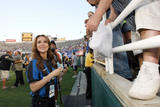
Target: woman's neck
43, 55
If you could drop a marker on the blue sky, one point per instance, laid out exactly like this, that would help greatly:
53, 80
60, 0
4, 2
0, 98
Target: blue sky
64, 18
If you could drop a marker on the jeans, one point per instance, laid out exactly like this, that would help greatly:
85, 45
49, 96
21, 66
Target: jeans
19, 78
120, 59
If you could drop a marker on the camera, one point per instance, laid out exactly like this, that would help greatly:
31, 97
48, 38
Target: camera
53, 50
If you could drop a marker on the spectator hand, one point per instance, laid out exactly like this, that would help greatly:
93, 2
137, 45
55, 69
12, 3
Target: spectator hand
92, 57
108, 21
93, 23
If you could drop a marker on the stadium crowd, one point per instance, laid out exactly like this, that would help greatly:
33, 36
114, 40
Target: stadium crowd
26, 47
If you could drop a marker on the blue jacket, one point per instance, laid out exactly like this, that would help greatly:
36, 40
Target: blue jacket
34, 74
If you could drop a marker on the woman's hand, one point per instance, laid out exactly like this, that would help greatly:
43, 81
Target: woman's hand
56, 72
39, 84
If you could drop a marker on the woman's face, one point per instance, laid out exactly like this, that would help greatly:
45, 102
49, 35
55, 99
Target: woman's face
42, 44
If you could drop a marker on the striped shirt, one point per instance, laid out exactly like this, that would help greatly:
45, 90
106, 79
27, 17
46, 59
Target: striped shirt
119, 6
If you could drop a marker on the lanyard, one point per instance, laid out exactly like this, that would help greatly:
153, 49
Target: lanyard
46, 68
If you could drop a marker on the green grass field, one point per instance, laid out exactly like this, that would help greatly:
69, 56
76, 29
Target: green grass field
19, 97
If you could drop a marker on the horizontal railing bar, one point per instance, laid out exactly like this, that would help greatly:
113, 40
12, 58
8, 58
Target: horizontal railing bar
153, 42
100, 62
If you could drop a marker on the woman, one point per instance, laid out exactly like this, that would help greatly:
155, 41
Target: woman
18, 69
42, 72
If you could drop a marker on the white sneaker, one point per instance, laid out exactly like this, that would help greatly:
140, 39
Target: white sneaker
147, 82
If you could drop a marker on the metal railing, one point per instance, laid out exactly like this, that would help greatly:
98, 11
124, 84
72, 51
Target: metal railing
153, 42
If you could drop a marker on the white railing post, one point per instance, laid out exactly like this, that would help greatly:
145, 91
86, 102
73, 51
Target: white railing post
106, 64
95, 55
109, 64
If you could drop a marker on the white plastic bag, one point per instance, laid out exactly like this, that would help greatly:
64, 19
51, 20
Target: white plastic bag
101, 40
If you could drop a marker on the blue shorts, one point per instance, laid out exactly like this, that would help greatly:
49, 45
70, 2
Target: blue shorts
125, 28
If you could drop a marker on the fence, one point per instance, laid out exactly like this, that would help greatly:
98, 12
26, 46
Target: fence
143, 44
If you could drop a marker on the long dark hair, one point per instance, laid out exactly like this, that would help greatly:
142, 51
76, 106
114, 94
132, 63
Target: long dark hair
36, 54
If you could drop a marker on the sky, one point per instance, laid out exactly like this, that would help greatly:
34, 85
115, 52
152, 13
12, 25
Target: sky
61, 18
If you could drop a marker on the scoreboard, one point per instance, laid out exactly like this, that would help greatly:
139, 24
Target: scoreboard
27, 36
